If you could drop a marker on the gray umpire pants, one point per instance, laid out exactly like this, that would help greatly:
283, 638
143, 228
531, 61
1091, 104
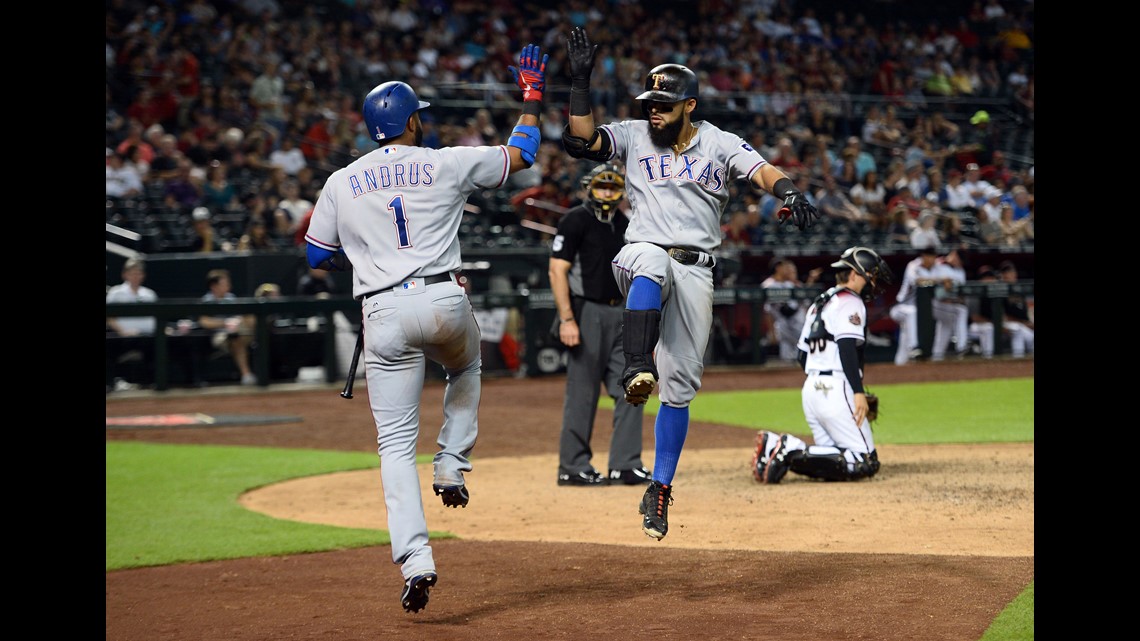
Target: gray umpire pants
598, 360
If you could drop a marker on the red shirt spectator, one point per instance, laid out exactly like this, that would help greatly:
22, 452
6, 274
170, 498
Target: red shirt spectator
153, 107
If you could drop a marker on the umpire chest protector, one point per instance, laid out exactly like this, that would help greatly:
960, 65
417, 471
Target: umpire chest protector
594, 244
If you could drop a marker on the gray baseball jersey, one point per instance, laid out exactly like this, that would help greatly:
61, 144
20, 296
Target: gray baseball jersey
677, 201
396, 212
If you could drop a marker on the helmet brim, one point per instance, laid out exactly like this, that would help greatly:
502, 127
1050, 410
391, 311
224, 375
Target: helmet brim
660, 96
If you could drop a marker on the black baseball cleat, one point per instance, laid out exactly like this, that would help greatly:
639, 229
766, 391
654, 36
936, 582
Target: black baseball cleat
639, 387
635, 476
655, 507
452, 495
416, 589
589, 477
777, 463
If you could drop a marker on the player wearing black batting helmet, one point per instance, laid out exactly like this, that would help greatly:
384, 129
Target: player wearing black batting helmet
669, 83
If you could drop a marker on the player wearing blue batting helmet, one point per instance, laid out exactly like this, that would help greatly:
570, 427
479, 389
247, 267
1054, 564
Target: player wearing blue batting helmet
387, 109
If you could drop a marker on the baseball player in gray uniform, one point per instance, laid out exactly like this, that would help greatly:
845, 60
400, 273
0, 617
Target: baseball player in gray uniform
394, 214
677, 178
834, 400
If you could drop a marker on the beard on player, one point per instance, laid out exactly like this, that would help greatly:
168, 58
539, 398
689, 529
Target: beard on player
666, 135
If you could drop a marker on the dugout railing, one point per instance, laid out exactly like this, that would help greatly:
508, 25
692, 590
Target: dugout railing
542, 355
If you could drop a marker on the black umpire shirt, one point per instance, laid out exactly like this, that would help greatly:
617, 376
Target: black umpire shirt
595, 244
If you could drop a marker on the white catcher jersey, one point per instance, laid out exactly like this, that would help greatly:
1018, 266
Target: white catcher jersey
671, 197
845, 316
399, 210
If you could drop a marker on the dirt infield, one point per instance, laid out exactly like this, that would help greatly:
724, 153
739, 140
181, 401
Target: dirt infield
932, 548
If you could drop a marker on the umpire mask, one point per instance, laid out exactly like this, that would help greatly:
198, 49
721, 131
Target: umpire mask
605, 189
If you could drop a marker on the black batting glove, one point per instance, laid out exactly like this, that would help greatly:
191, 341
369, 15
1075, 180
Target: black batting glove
798, 210
580, 53
796, 207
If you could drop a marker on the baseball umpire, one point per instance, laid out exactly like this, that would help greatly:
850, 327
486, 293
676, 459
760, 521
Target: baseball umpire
677, 180
394, 214
837, 407
590, 308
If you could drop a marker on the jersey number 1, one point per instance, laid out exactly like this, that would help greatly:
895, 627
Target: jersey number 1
396, 206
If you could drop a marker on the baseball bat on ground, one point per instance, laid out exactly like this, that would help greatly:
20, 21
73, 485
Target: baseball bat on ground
347, 391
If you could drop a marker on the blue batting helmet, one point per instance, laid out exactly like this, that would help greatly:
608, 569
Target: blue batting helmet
387, 109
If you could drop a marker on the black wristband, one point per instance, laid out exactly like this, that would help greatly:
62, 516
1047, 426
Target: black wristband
580, 102
532, 108
782, 187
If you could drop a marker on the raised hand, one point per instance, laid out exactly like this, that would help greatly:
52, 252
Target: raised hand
580, 54
530, 75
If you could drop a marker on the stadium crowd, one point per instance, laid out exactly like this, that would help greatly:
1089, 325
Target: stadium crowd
906, 123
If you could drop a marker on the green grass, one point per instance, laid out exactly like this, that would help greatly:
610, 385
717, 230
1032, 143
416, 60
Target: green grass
1015, 623
987, 411
179, 503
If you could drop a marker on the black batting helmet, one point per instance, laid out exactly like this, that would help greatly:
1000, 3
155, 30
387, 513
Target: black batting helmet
670, 83
604, 205
868, 264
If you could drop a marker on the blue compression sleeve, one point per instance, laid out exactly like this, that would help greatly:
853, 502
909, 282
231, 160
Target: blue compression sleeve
644, 293
670, 430
526, 138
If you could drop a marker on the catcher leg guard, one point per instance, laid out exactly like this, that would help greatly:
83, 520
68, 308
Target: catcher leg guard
640, 330
831, 464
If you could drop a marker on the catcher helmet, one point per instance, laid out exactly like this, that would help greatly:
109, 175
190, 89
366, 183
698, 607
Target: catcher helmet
669, 83
604, 205
865, 262
387, 109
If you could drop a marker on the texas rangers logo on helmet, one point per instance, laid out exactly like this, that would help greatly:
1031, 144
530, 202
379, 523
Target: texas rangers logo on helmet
657, 79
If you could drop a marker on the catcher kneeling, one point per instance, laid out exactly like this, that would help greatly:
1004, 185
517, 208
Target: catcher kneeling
837, 407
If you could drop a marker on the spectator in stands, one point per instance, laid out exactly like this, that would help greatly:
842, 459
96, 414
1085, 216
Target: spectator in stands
205, 237
136, 332
218, 193
1021, 202
1013, 232
123, 180
184, 189
975, 185
871, 196
863, 160
955, 196
267, 94
989, 222
257, 237
164, 166
234, 331
291, 208
833, 201
926, 233
289, 156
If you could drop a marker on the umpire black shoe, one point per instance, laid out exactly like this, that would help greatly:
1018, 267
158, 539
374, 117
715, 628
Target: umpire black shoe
635, 476
655, 508
452, 495
588, 477
415, 595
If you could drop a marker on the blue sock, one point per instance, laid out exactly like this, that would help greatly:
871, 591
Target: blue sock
644, 293
669, 430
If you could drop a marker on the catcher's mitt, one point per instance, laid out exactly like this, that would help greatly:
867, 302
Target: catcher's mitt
872, 407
